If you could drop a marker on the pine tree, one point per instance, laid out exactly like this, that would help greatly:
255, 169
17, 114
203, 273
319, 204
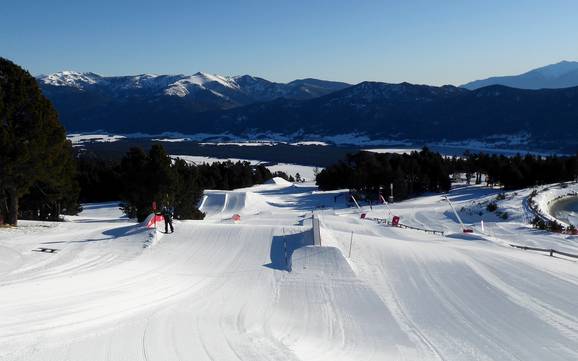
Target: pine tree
136, 196
188, 191
34, 151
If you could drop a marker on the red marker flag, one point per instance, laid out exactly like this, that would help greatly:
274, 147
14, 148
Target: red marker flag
152, 223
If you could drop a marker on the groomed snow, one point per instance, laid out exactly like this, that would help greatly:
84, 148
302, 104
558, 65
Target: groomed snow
259, 290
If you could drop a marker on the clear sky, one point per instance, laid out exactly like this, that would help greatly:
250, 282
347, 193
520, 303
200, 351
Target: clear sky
420, 41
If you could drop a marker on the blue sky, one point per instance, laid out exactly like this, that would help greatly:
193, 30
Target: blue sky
420, 41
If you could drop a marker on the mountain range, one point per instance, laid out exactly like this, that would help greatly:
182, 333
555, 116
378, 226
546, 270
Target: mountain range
312, 109
561, 75
201, 91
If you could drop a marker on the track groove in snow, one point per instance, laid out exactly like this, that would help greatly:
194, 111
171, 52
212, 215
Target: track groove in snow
214, 290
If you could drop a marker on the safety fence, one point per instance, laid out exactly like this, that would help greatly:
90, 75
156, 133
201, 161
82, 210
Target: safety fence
551, 251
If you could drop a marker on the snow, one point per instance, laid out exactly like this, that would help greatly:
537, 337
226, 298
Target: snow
198, 159
243, 144
548, 197
251, 138
306, 172
278, 180
170, 140
186, 85
79, 138
105, 210
71, 79
392, 150
268, 143
260, 290
498, 144
310, 142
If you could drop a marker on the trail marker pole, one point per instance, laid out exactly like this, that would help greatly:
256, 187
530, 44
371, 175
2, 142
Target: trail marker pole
350, 244
355, 201
456, 213
386, 204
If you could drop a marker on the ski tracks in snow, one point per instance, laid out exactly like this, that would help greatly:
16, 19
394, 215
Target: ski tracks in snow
221, 291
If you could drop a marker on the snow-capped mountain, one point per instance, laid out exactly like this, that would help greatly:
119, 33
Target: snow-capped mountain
561, 75
70, 79
226, 91
244, 105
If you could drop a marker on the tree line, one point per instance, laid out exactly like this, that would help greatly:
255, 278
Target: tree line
373, 173
515, 172
426, 171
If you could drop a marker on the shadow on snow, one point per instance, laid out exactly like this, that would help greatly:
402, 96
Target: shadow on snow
283, 246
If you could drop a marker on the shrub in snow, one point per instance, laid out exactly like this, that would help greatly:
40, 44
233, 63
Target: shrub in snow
492, 207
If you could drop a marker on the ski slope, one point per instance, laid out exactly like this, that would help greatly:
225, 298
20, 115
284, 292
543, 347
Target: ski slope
260, 290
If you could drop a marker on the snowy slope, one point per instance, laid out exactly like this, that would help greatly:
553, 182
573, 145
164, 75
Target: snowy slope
259, 289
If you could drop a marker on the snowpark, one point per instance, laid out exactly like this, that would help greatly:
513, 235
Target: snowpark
100, 287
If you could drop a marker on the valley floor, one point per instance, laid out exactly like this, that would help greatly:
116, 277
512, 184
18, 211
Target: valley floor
261, 290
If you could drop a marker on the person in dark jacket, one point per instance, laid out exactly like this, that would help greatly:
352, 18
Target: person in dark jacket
168, 216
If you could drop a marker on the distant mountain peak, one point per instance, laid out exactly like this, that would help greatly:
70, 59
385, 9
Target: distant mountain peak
557, 70
563, 74
70, 78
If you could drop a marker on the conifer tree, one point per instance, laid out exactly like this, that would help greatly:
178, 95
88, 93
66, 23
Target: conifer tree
137, 197
35, 157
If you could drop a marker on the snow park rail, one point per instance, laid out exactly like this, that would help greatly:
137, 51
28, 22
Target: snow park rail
547, 250
405, 226
432, 231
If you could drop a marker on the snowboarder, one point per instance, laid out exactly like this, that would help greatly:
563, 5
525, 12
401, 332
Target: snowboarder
168, 216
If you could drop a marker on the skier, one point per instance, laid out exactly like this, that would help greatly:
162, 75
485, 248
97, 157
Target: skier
168, 216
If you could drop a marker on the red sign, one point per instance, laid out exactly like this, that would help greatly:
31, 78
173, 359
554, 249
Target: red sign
395, 221
236, 218
362, 215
